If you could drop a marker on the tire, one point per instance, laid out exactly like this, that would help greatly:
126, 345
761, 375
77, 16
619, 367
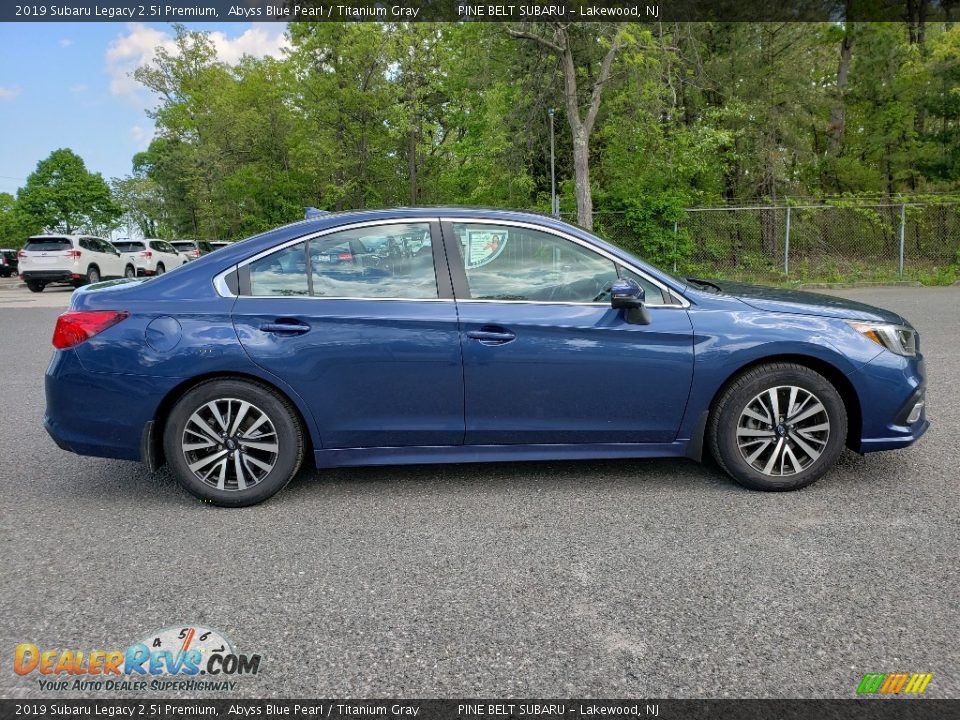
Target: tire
763, 452
130, 272
160, 269
93, 275
264, 472
35, 285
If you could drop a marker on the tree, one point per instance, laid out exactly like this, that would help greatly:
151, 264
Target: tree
576, 49
62, 195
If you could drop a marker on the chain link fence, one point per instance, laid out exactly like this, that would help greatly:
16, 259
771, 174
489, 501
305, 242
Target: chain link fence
883, 242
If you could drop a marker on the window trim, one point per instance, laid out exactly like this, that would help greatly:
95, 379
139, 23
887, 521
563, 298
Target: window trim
440, 265
459, 274
451, 284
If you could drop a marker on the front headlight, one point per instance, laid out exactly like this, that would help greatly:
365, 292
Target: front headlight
898, 339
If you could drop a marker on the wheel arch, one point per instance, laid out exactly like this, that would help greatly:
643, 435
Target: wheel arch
151, 449
834, 375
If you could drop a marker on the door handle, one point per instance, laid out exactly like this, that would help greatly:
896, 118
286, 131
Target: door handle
492, 335
282, 326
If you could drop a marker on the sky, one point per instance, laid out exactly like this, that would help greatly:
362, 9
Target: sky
68, 85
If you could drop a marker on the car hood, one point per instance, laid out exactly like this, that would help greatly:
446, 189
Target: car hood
805, 303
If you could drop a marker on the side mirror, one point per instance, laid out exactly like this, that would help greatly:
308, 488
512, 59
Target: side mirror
627, 295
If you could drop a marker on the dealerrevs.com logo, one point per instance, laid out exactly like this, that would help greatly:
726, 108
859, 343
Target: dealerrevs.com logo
187, 657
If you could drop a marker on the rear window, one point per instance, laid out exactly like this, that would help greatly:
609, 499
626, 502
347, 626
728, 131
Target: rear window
47, 245
128, 246
184, 245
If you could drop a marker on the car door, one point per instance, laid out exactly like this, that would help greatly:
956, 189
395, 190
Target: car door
370, 342
546, 359
107, 258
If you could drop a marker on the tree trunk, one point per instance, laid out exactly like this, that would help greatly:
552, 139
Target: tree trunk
917, 28
838, 116
581, 173
412, 164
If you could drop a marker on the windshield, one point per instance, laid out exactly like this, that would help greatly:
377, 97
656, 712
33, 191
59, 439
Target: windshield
48, 245
181, 246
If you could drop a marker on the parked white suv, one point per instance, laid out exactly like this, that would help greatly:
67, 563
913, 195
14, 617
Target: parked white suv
73, 259
152, 257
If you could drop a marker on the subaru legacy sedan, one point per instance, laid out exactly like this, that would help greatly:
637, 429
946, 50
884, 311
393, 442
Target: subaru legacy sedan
461, 335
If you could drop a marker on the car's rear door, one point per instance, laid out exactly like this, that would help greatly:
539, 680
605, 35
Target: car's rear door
546, 359
371, 342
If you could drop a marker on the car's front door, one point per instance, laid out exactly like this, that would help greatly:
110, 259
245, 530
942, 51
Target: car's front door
546, 358
369, 339
108, 258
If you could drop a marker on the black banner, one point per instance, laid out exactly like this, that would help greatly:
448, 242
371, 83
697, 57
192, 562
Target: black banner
892, 709
472, 10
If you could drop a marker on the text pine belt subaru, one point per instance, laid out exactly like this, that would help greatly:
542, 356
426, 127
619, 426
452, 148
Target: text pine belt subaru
462, 335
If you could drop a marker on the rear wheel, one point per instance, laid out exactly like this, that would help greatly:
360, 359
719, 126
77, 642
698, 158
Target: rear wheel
233, 442
779, 426
35, 285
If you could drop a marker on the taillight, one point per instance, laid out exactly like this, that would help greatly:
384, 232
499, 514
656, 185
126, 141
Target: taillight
79, 326
195, 253
21, 254
73, 253
146, 254
345, 256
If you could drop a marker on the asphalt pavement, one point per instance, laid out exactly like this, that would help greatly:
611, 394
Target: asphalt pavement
581, 579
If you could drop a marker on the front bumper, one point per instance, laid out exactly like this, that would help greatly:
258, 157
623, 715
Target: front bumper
892, 391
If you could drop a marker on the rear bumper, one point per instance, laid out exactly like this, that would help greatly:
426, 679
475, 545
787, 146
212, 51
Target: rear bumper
98, 414
50, 275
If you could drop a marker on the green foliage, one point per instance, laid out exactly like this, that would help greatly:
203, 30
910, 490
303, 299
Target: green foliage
63, 196
381, 114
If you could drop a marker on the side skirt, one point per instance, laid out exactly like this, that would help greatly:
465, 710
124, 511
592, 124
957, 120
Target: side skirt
494, 453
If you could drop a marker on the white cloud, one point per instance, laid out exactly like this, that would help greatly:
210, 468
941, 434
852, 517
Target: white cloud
9, 93
141, 136
65, 42
78, 88
127, 52
259, 40
138, 47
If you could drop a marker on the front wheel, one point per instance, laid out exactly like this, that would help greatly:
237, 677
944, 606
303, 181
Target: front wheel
93, 275
779, 426
233, 442
129, 272
161, 269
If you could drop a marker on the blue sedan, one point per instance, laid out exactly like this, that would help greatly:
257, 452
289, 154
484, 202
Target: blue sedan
460, 335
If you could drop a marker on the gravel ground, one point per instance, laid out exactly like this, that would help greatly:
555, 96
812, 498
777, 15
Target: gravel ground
636, 578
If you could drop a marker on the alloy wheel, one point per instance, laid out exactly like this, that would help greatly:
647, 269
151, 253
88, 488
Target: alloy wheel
783, 430
230, 444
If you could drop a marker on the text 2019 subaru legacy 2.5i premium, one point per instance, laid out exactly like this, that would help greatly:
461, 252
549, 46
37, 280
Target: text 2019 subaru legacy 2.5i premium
462, 335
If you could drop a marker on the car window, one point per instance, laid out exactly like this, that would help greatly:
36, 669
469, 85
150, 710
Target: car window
128, 247
342, 265
101, 246
654, 295
183, 246
385, 261
281, 273
48, 244
512, 263
205, 246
